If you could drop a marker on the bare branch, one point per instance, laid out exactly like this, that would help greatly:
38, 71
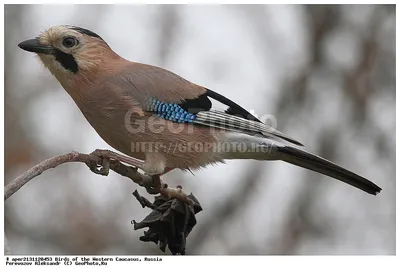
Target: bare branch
108, 159
153, 184
38, 169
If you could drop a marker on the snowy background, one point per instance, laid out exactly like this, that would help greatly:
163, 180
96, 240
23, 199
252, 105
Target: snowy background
327, 74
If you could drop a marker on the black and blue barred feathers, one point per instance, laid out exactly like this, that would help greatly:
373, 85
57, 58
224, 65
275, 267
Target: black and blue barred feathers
170, 111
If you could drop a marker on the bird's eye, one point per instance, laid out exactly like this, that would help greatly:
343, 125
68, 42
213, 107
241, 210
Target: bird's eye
70, 42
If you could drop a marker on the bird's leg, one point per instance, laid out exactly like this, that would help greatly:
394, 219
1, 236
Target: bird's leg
106, 155
128, 160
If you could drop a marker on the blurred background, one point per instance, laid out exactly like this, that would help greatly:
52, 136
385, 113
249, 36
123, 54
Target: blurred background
327, 74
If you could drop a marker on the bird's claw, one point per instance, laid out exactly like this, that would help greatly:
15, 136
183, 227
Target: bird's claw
100, 169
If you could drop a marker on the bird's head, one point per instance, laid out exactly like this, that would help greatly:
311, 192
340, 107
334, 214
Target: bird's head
69, 51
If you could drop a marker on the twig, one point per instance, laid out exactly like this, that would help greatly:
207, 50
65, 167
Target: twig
38, 169
143, 201
153, 185
106, 160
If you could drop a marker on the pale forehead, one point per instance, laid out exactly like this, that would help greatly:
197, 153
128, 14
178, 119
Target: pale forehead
54, 33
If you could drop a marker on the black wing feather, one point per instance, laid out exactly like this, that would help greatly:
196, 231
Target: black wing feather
194, 106
203, 103
235, 118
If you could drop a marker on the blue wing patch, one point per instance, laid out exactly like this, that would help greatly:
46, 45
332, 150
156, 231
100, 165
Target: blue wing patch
170, 111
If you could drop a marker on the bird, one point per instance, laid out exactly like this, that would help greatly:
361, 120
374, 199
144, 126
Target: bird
161, 121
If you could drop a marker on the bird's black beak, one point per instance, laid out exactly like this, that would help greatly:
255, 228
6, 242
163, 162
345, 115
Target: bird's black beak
33, 45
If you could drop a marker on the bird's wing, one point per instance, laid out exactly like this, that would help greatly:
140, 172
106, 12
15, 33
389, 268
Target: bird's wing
174, 98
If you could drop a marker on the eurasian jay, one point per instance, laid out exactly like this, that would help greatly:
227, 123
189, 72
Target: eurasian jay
160, 120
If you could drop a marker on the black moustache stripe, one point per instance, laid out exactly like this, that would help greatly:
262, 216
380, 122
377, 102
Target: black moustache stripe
66, 60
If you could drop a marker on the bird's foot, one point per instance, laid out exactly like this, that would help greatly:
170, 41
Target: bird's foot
103, 168
106, 156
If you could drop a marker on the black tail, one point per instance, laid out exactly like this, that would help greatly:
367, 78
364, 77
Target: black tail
312, 162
